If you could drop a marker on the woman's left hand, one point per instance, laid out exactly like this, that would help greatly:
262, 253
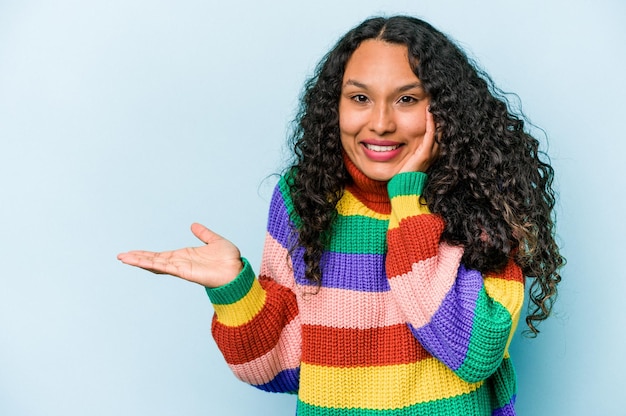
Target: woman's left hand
427, 151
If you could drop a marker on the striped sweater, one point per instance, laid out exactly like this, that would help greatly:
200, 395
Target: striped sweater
398, 327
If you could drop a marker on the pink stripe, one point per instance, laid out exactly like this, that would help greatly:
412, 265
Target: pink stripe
286, 355
276, 263
340, 308
421, 291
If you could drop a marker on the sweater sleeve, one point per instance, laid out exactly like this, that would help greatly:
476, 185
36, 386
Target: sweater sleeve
256, 324
463, 318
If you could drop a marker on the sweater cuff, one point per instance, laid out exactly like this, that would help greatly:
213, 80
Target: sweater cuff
235, 290
407, 183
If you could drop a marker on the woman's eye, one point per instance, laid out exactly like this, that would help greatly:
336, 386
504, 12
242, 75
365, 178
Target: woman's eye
359, 98
407, 99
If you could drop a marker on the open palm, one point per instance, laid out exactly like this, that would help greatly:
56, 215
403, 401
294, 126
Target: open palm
213, 264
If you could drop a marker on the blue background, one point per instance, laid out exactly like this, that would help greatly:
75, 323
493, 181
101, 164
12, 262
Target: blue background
123, 121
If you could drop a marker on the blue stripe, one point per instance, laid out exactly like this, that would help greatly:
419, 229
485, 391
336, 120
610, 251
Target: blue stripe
286, 381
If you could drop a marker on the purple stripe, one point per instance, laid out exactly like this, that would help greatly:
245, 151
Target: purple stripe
360, 272
285, 382
447, 335
508, 410
279, 226
353, 271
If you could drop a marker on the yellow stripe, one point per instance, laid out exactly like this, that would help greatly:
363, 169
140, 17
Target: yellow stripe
348, 205
404, 206
509, 294
242, 311
381, 387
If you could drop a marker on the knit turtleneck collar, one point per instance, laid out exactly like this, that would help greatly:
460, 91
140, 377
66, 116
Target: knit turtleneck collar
370, 192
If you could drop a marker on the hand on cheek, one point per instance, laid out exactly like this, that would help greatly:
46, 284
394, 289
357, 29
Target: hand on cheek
426, 152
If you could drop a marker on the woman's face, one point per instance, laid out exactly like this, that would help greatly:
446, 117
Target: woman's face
382, 109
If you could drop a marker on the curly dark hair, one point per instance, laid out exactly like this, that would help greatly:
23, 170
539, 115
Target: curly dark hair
490, 183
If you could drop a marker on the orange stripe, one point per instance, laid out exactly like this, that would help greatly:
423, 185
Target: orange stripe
345, 347
252, 340
510, 272
284, 356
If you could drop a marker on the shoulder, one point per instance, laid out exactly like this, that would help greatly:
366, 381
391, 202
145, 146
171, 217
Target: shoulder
282, 202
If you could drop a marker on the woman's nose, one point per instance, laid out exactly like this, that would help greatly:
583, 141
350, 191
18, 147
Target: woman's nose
382, 120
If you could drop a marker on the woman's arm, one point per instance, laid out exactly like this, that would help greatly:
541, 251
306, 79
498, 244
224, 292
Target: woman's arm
461, 317
256, 323
257, 328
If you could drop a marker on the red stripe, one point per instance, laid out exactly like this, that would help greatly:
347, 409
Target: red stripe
416, 239
349, 347
259, 336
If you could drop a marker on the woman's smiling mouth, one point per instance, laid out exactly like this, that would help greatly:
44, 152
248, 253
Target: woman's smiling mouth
381, 148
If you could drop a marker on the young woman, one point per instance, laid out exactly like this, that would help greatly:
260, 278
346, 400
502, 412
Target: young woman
398, 242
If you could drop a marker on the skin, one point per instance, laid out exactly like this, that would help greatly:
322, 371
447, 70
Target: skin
384, 121
381, 103
213, 264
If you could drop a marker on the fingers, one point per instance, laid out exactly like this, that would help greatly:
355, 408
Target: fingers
427, 150
154, 262
430, 137
167, 262
430, 126
430, 143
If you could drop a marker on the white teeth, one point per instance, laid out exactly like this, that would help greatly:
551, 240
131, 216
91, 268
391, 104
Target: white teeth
377, 148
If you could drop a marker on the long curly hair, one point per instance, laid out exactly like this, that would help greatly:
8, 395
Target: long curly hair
490, 183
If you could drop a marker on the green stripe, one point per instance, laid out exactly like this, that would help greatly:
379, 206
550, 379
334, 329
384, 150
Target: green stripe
477, 403
371, 240
283, 186
343, 239
408, 183
492, 332
235, 290
504, 382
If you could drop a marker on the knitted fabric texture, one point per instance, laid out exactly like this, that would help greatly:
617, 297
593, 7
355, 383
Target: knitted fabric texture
398, 327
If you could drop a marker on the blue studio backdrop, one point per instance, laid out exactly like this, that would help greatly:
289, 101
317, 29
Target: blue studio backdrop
122, 122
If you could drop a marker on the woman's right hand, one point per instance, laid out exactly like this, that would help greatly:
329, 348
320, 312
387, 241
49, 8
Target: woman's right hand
426, 153
214, 264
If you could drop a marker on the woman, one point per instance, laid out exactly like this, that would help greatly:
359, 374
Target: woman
392, 277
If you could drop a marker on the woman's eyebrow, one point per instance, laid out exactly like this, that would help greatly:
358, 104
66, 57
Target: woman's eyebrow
355, 84
413, 85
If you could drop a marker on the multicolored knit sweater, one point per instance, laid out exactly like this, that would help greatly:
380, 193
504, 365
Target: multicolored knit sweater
398, 327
